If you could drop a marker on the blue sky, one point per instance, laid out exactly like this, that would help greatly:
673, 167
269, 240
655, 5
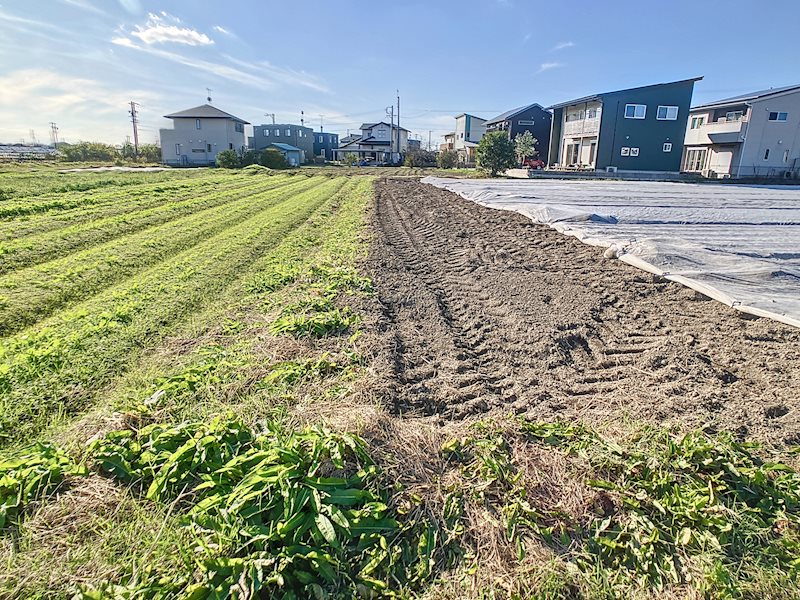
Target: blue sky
78, 62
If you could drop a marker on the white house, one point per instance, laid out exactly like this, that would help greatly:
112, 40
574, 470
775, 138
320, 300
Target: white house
379, 142
199, 134
752, 135
469, 131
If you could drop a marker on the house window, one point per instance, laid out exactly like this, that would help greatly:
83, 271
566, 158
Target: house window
320, 139
635, 111
786, 156
734, 115
625, 151
667, 146
266, 133
634, 152
696, 159
697, 122
288, 132
208, 147
591, 113
197, 123
778, 116
521, 122
667, 113
766, 154
230, 146
239, 127
575, 116
178, 149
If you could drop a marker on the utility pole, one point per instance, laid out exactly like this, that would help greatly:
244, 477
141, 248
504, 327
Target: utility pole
270, 115
54, 134
429, 140
390, 110
320, 122
33, 137
399, 147
135, 121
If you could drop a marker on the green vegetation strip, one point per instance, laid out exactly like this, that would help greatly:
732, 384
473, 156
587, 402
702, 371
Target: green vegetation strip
56, 368
24, 251
112, 201
668, 510
28, 295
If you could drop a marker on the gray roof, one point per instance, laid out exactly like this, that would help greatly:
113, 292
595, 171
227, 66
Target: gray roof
510, 114
749, 97
205, 111
599, 96
371, 125
285, 147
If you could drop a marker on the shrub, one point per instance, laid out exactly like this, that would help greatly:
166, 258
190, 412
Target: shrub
447, 159
419, 158
525, 146
88, 151
350, 159
249, 157
149, 153
227, 159
496, 153
273, 159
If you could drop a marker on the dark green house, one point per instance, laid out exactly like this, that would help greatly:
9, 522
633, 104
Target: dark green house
638, 129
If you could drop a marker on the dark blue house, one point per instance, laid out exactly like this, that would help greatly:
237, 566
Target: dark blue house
638, 129
531, 118
325, 144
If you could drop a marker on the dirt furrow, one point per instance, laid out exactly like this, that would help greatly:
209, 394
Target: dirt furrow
481, 310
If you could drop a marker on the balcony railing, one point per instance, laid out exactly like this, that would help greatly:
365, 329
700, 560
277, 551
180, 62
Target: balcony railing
703, 134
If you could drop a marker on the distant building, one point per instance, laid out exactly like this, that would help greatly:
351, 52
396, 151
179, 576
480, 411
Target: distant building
325, 144
414, 144
638, 129
531, 118
377, 143
469, 131
199, 134
449, 142
752, 135
293, 155
294, 135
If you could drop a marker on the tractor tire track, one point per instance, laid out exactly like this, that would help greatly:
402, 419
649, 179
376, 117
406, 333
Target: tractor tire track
480, 310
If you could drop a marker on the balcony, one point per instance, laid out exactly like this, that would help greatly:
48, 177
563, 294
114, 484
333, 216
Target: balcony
721, 132
581, 128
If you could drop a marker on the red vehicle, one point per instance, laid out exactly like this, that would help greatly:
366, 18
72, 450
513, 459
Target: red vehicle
533, 163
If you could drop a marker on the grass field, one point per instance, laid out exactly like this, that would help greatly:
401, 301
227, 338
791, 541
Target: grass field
190, 408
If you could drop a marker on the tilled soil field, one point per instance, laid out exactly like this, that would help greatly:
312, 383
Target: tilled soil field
481, 311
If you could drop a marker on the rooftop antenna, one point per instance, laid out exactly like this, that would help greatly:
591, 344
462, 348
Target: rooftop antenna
270, 115
320, 122
208, 94
302, 118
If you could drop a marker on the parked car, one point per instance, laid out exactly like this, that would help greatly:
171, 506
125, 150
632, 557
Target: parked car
533, 163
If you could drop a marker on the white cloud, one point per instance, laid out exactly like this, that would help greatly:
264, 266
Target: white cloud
164, 28
286, 76
548, 66
85, 5
83, 107
562, 46
223, 31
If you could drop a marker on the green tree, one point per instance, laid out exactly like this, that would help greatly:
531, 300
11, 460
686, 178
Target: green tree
128, 152
227, 159
447, 159
525, 146
273, 159
495, 153
150, 153
249, 157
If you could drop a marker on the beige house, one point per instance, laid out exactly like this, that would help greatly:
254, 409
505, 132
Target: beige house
198, 134
469, 131
752, 135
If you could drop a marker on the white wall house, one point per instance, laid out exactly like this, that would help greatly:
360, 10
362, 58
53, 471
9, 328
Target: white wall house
753, 135
378, 143
469, 131
199, 134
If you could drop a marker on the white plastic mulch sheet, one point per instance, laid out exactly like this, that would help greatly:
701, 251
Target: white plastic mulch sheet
737, 244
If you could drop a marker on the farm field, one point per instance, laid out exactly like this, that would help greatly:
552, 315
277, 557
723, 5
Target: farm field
339, 383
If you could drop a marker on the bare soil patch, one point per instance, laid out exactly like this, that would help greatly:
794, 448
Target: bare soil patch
481, 311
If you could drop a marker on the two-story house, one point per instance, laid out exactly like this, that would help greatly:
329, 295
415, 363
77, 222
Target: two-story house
449, 142
752, 135
531, 118
198, 134
325, 144
637, 129
298, 136
381, 143
469, 131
